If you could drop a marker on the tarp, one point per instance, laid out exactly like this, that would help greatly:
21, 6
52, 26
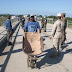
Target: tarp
32, 43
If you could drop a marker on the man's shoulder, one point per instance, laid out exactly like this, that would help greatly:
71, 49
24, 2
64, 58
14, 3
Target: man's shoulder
56, 21
36, 22
64, 18
7, 20
28, 22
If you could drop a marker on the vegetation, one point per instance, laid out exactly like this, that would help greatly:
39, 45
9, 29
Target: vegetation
54, 17
40, 15
68, 18
28, 15
2, 20
3, 17
20, 16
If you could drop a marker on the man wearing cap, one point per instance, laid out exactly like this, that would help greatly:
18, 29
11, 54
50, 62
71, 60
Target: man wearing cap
57, 32
64, 20
8, 27
43, 23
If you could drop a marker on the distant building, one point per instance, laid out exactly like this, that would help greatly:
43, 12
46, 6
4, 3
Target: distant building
25, 15
13, 17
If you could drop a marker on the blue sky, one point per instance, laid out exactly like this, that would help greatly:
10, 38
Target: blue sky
45, 7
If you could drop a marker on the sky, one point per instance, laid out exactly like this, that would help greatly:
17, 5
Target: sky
44, 7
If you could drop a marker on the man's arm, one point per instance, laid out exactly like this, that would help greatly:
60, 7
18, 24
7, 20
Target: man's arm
24, 30
42, 22
39, 28
5, 25
45, 21
10, 26
26, 25
54, 29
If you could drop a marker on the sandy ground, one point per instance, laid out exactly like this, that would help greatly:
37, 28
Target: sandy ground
13, 59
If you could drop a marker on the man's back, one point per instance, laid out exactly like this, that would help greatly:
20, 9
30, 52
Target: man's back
64, 20
60, 25
8, 24
58, 29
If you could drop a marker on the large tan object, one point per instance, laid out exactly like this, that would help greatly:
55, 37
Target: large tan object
32, 43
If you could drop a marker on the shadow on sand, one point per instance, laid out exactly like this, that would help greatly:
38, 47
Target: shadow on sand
47, 61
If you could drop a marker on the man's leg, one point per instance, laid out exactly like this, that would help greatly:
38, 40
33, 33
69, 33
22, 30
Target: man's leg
55, 48
41, 26
59, 47
64, 38
45, 27
8, 36
54, 52
11, 35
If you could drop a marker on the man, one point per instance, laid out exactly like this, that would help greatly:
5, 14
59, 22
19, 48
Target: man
9, 29
32, 25
22, 21
64, 20
44, 22
57, 32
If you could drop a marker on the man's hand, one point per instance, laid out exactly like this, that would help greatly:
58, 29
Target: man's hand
24, 30
10, 32
51, 37
42, 22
